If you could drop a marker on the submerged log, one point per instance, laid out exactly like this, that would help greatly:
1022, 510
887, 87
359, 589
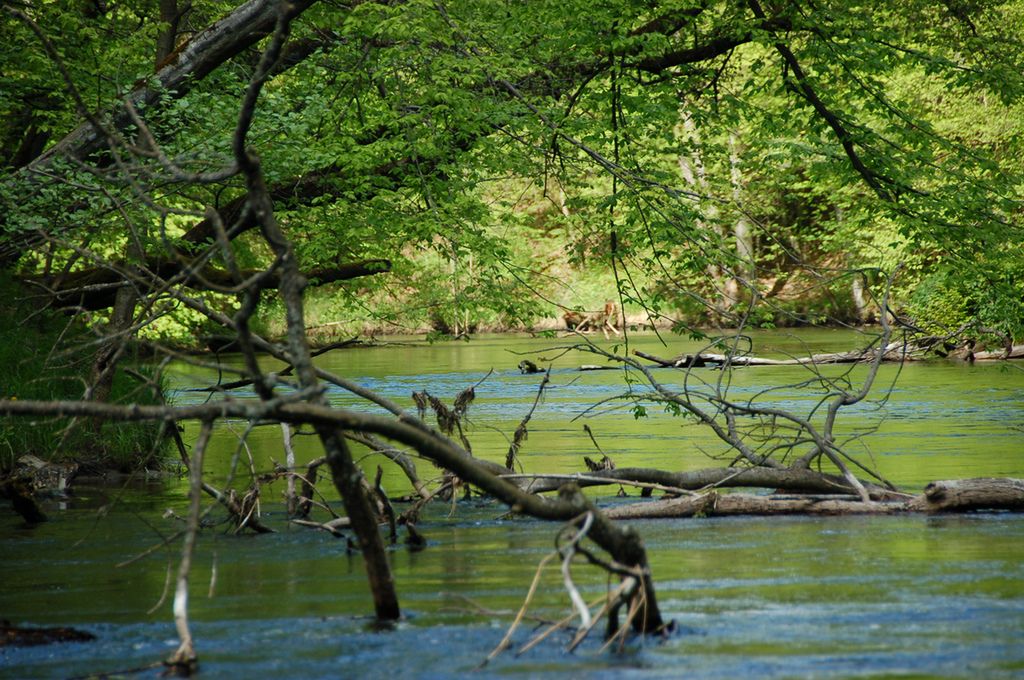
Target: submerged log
27, 636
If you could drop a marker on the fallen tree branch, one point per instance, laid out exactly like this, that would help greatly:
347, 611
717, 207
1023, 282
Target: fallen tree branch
794, 480
95, 289
959, 495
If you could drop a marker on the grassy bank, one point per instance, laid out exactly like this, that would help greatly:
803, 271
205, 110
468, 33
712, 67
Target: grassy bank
47, 356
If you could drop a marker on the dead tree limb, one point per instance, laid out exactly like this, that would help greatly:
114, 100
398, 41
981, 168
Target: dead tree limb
790, 479
184, 660
715, 504
187, 65
345, 473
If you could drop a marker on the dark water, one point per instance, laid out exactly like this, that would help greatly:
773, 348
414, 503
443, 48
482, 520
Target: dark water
751, 597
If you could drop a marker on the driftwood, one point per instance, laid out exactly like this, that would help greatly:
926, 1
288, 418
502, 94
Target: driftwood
893, 352
793, 480
332, 527
1012, 352
714, 503
962, 495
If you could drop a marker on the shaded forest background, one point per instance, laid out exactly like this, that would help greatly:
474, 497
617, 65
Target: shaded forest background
701, 164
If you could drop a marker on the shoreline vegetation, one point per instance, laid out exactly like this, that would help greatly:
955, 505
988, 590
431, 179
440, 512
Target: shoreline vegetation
100, 450
47, 356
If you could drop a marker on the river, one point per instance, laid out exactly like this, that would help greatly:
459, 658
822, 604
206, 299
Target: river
844, 597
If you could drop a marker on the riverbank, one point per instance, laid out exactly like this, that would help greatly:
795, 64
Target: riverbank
47, 355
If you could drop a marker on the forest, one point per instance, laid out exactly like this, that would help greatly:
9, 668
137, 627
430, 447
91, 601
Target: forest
212, 210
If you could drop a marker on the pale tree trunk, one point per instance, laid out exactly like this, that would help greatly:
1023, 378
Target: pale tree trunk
860, 300
291, 498
858, 292
563, 202
691, 167
743, 269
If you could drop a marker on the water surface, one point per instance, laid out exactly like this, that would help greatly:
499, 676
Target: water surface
751, 597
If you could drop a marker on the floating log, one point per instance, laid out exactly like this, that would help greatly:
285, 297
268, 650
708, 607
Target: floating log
714, 503
958, 495
895, 351
962, 495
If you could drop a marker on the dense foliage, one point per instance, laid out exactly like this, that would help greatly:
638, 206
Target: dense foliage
513, 159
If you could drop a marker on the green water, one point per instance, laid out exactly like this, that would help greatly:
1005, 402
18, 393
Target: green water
752, 597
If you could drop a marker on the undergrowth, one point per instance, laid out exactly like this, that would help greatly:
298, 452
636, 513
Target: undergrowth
46, 355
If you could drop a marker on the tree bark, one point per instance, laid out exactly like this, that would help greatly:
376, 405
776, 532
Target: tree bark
982, 493
167, 39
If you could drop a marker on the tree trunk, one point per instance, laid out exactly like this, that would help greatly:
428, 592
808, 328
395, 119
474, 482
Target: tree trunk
167, 39
957, 495
718, 504
743, 270
790, 479
104, 366
348, 479
94, 289
193, 61
694, 173
188, 64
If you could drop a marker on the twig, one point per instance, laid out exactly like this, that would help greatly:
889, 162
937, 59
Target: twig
503, 645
